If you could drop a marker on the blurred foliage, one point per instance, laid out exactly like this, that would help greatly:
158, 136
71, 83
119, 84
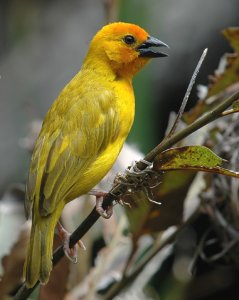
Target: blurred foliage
224, 79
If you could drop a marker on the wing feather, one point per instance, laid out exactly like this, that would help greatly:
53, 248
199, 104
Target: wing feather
65, 151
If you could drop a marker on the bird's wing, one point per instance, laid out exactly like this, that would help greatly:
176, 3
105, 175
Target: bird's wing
66, 146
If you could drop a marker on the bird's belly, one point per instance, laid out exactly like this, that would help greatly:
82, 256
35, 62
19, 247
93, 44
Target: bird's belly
96, 171
101, 163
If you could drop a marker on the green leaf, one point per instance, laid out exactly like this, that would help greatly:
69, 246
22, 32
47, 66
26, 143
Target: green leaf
188, 156
198, 158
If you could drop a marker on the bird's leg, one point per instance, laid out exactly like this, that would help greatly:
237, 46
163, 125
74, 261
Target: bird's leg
71, 253
100, 195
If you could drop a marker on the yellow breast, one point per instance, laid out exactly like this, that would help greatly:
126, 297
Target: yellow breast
118, 118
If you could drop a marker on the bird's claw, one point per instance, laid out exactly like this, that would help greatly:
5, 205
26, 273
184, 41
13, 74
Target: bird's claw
70, 253
100, 195
106, 214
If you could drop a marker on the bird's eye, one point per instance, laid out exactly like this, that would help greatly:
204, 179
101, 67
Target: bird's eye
129, 39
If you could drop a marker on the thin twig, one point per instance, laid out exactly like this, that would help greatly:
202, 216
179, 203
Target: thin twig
205, 119
85, 226
187, 94
204, 243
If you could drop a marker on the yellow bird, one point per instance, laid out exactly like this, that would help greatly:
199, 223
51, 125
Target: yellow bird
82, 135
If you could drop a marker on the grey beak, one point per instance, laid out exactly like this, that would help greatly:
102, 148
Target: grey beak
145, 49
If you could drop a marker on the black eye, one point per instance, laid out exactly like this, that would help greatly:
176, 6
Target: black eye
129, 39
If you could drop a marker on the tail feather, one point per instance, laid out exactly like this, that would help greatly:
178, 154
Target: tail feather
38, 263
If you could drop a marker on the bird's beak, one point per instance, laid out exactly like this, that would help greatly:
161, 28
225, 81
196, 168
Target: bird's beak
145, 49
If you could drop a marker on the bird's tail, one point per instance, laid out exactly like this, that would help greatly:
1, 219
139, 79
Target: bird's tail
38, 263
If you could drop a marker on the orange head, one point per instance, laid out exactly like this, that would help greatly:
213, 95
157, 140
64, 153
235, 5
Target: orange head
125, 47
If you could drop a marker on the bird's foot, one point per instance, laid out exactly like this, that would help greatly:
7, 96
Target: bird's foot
71, 253
100, 195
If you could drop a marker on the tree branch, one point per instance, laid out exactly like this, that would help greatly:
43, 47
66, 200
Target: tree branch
116, 191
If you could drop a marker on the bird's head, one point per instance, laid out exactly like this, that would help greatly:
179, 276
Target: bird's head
125, 47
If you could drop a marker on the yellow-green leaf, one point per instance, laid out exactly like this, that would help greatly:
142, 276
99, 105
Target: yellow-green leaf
197, 158
188, 156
